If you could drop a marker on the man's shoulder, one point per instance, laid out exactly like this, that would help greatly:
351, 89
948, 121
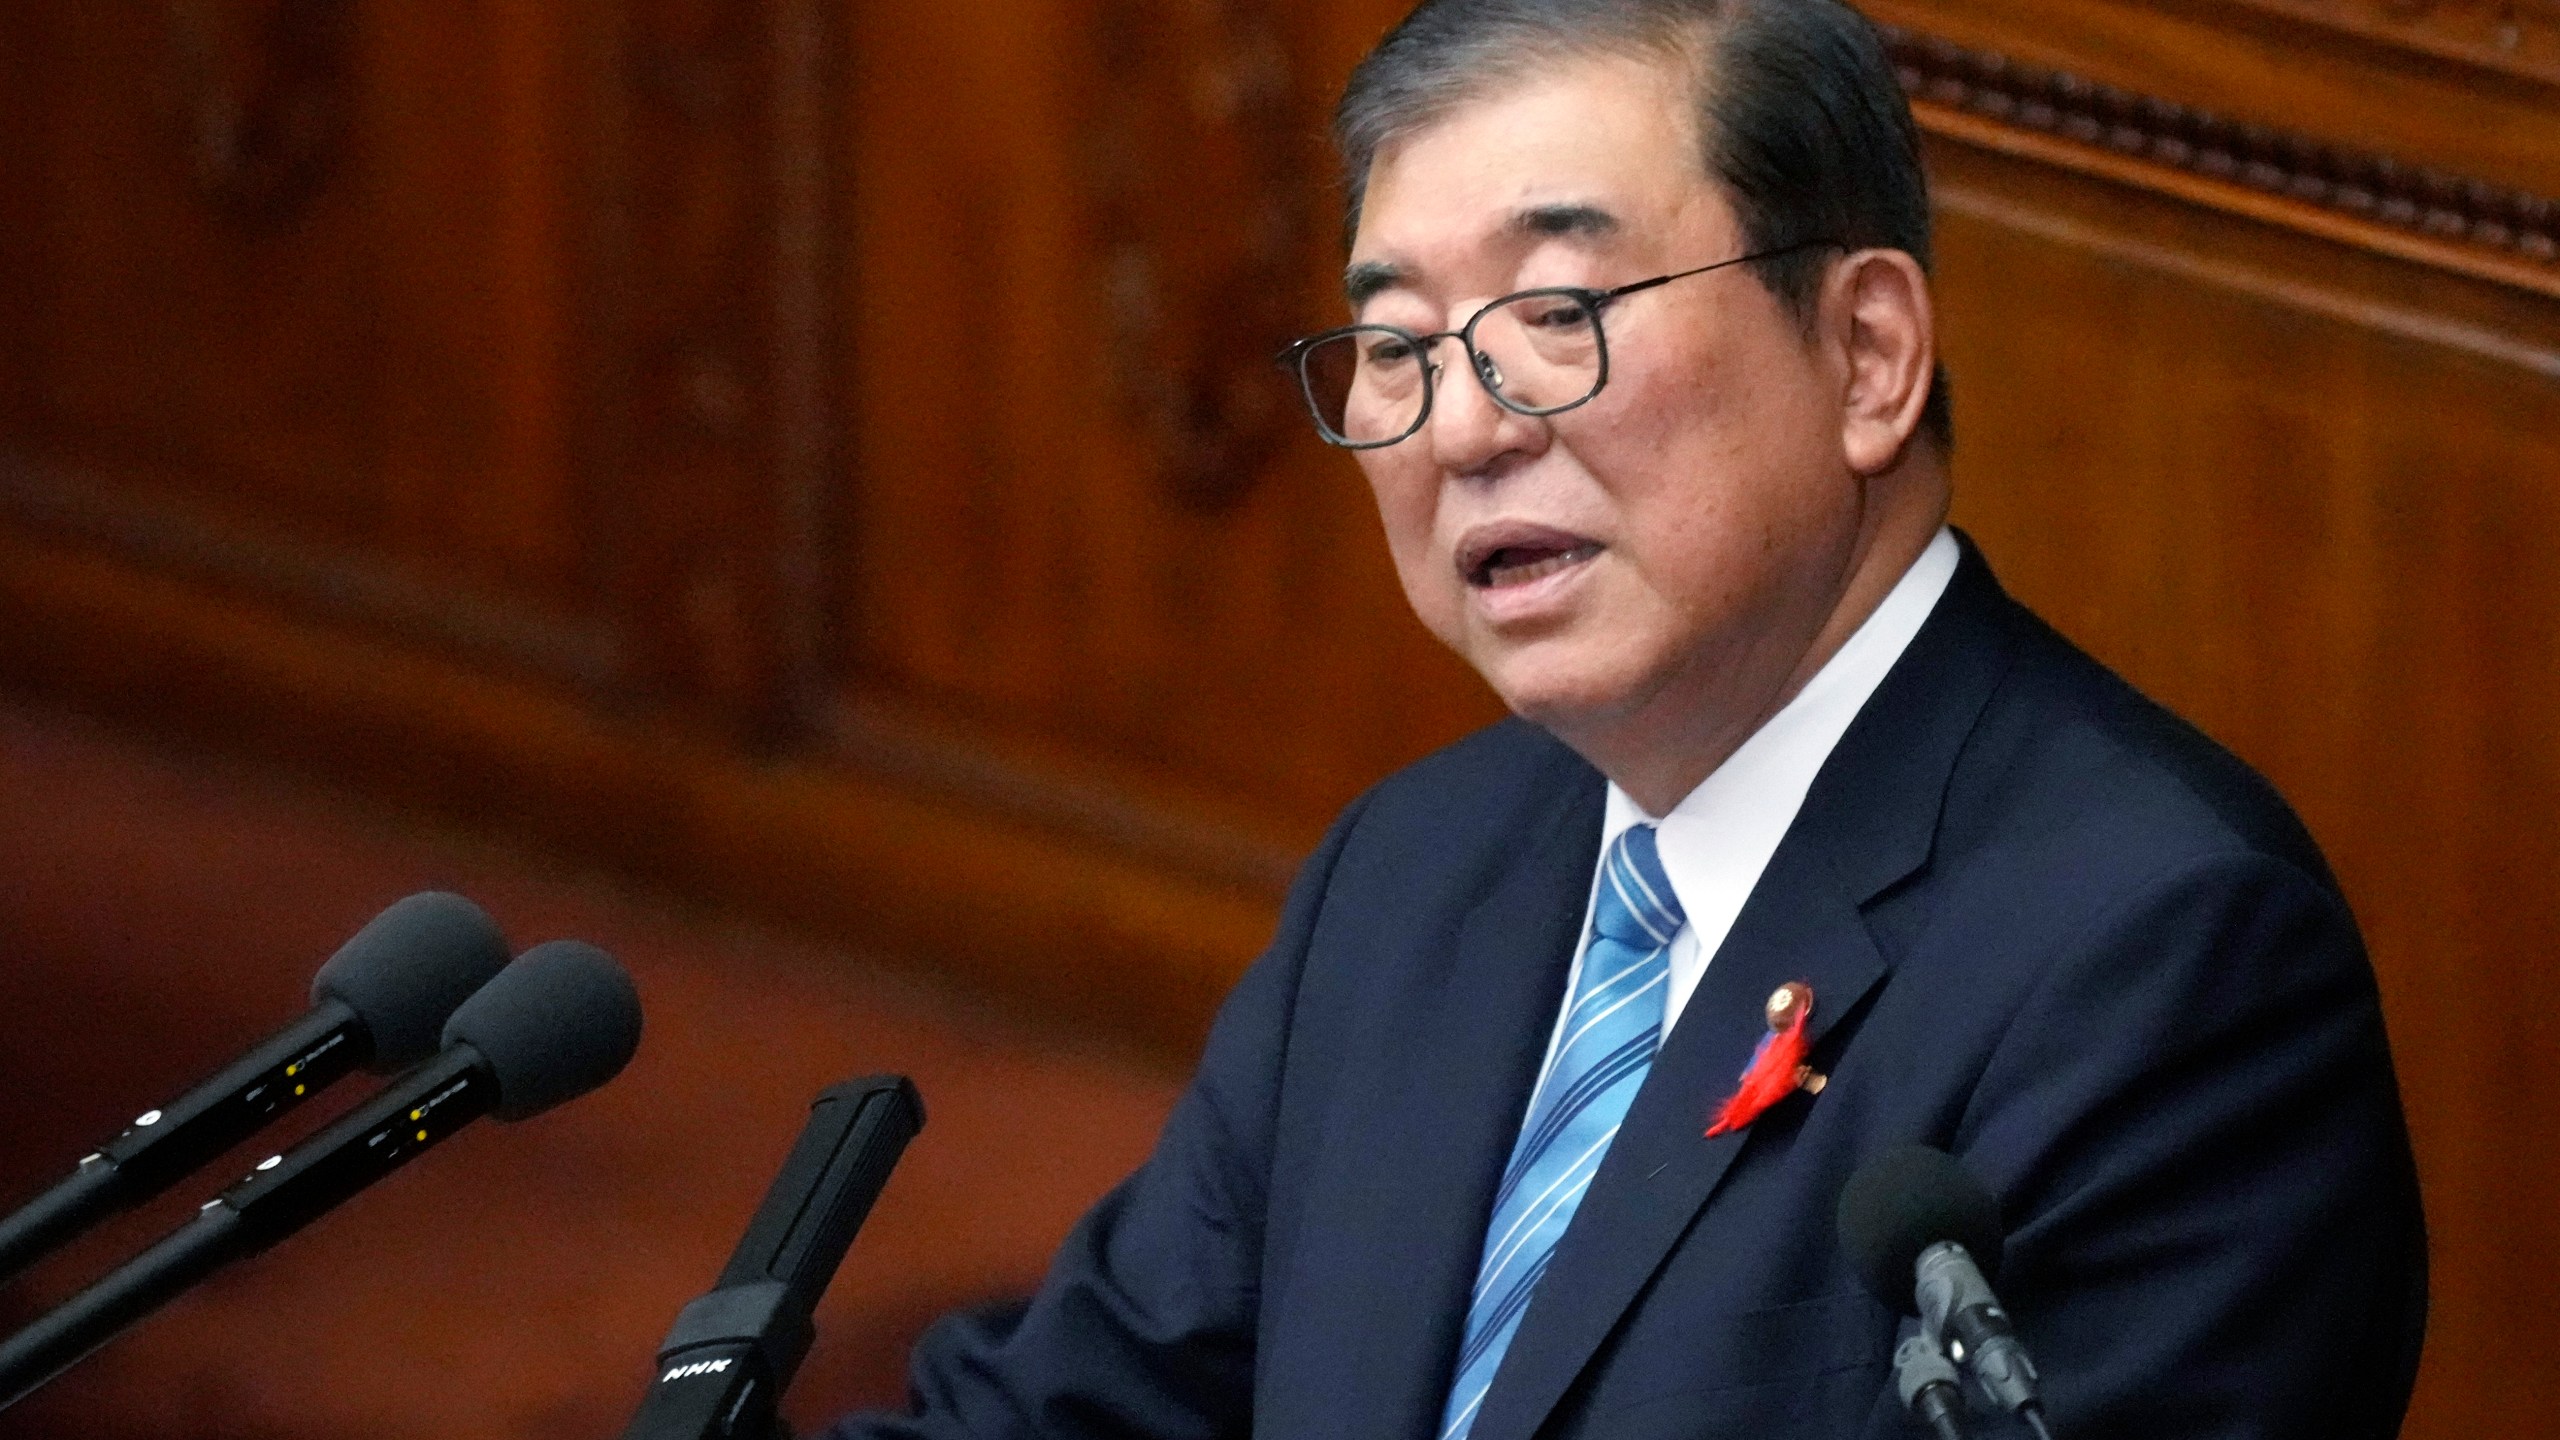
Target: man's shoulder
1450, 826
1489, 779
2070, 756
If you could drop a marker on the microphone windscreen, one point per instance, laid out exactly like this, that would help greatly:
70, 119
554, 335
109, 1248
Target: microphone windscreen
1904, 1201
556, 1024
407, 969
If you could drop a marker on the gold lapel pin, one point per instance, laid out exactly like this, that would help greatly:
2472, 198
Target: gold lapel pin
1777, 1067
1789, 1005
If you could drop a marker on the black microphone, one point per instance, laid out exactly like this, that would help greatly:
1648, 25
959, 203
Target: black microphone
723, 1368
550, 1027
378, 1003
1922, 1233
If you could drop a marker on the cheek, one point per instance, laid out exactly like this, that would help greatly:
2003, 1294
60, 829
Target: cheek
1408, 496
1722, 475
1668, 412
1735, 370
1731, 413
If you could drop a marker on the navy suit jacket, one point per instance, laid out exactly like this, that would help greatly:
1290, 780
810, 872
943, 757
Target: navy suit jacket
2048, 927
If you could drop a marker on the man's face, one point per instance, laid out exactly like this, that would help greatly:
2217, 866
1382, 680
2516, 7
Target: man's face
1662, 557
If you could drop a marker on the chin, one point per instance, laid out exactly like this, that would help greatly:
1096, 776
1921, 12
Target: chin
1562, 694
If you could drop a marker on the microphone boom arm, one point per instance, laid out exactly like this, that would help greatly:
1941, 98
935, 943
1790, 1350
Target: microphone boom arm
282, 1195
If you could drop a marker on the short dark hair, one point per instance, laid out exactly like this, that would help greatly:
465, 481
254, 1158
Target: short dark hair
1799, 114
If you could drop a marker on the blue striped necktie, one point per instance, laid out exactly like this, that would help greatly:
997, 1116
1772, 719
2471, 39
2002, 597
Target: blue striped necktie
1612, 1026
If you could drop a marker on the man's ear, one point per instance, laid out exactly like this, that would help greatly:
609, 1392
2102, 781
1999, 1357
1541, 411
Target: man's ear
1878, 304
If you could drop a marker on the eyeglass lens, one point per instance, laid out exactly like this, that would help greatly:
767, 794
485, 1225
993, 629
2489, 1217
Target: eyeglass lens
1537, 353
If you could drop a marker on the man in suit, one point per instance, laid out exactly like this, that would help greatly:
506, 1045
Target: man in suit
1642, 374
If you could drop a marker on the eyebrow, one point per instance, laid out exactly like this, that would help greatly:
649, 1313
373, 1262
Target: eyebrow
1364, 281
1565, 221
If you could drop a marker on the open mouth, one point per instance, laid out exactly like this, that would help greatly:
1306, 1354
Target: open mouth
1518, 561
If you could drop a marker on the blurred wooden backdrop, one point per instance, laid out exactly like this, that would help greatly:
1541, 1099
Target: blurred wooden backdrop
820, 458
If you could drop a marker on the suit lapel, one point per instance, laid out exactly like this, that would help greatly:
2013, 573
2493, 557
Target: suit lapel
1413, 1174
1661, 1169
1866, 825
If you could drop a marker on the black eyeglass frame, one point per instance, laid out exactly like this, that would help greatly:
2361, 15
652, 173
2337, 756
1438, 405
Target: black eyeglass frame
1294, 356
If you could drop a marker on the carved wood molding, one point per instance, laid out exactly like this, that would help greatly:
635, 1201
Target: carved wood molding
718, 239
333, 584
935, 755
2501, 234
1200, 279
263, 137
2521, 37
806, 174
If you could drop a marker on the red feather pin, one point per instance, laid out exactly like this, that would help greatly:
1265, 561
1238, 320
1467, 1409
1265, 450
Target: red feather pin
1778, 1067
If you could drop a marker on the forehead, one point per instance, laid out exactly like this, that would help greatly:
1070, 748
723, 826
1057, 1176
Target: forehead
1606, 132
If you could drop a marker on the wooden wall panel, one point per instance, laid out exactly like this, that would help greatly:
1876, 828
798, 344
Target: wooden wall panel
816, 455
338, 380
1025, 560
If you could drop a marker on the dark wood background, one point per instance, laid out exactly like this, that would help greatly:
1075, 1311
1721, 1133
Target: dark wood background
818, 459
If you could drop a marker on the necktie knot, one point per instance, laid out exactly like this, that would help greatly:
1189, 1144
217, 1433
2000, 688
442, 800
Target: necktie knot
1636, 905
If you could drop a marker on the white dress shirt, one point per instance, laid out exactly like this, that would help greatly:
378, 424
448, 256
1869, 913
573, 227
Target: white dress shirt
1718, 839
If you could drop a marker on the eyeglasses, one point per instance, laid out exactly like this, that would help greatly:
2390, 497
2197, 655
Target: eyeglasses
1536, 352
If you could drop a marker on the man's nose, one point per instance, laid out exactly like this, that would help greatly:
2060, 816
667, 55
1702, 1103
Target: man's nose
1469, 431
